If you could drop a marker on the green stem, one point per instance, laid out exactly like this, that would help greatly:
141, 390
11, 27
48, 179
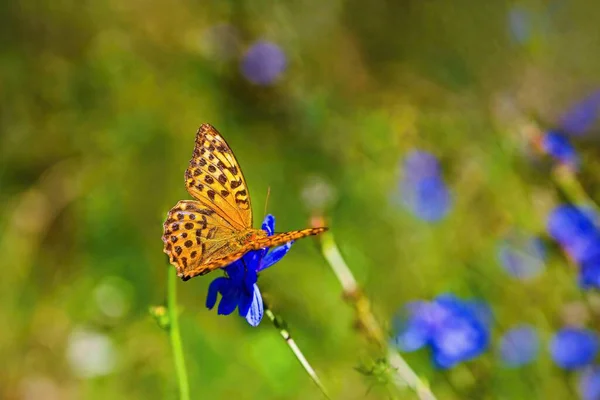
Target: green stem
181, 372
567, 181
403, 374
279, 324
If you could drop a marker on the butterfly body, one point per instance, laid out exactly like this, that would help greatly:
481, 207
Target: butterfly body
215, 229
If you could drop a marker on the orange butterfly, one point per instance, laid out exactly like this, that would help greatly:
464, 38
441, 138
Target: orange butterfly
212, 232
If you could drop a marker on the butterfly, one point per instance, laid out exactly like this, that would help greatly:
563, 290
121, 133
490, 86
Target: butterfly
215, 229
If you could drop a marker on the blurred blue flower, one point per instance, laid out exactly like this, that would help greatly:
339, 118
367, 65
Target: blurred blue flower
415, 327
568, 224
263, 63
422, 189
589, 383
589, 273
238, 288
529, 27
579, 237
574, 348
421, 164
456, 330
576, 232
581, 116
519, 346
557, 146
522, 256
519, 24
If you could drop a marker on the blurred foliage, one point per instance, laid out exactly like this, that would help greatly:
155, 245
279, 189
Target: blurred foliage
100, 102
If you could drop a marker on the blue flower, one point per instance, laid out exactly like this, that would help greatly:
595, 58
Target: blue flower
421, 164
574, 348
422, 189
415, 327
238, 288
454, 329
560, 149
579, 237
581, 117
519, 346
263, 63
589, 273
589, 383
522, 256
568, 224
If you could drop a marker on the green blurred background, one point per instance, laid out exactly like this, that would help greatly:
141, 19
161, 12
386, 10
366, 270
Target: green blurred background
100, 104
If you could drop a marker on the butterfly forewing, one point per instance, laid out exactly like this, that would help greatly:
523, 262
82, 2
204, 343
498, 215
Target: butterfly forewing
215, 179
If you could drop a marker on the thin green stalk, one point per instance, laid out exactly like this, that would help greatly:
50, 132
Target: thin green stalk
280, 325
567, 181
180, 371
402, 374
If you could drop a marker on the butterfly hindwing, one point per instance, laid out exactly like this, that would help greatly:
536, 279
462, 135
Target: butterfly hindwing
227, 258
193, 234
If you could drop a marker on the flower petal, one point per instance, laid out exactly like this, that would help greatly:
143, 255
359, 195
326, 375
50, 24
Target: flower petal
245, 302
235, 270
274, 256
519, 346
589, 273
460, 339
574, 348
412, 334
582, 115
263, 63
522, 256
268, 224
229, 302
560, 149
252, 259
216, 286
249, 280
256, 311
427, 198
589, 383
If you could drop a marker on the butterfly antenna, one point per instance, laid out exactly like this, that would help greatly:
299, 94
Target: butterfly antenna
267, 201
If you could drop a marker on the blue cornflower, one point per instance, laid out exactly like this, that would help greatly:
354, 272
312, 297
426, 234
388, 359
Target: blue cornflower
238, 288
581, 116
454, 329
574, 348
422, 189
568, 225
519, 346
421, 164
263, 63
522, 256
557, 146
416, 326
579, 237
589, 273
589, 383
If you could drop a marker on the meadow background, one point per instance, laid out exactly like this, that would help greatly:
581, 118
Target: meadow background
100, 102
